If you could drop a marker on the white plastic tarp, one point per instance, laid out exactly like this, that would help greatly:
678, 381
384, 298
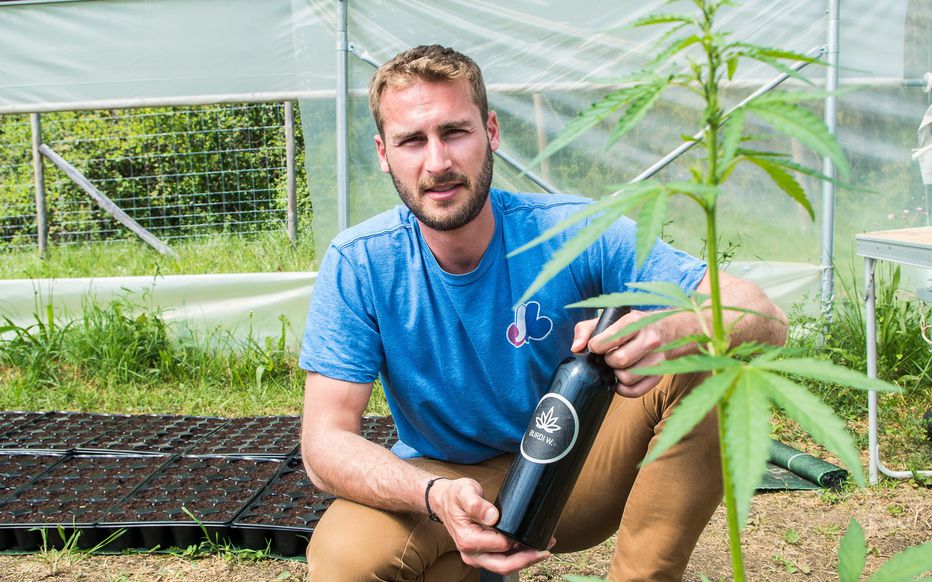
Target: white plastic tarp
56, 53
252, 304
544, 61
241, 304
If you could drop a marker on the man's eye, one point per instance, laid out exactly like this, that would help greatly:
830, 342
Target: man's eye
411, 141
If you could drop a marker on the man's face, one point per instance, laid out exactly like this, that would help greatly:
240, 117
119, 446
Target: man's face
438, 151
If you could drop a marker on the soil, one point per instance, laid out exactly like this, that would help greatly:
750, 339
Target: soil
66, 495
165, 434
289, 500
11, 420
790, 536
213, 489
60, 431
15, 470
253, 436
380, 429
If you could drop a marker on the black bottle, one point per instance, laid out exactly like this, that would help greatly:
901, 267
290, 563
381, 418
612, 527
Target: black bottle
556, 444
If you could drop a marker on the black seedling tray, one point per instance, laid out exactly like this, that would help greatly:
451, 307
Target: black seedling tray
11, 420
263, 436
17, 470
380, 430
160, 434
74, 494
284, 513
213, 489
96, 473
60, 431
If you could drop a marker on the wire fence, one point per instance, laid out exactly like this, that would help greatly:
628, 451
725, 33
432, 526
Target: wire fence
179, 172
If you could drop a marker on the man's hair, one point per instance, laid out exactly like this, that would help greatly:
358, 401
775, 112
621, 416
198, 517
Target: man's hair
427, 63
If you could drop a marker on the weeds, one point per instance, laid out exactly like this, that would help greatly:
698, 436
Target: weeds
35, 349
215, 546
124, 358
69, 553
904, 358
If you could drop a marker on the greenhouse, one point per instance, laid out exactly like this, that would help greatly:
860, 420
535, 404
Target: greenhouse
141, 131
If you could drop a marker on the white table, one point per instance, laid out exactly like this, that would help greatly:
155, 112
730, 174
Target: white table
907, 246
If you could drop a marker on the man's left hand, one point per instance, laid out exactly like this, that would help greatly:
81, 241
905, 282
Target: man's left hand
623, 354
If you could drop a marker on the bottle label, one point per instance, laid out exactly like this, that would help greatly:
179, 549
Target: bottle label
552, 431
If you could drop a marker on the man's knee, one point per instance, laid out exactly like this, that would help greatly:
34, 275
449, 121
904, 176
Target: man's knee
353, 542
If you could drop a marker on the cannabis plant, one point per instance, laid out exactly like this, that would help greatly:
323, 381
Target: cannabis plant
746, 380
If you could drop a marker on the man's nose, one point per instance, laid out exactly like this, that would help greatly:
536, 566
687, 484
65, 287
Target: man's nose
438, 157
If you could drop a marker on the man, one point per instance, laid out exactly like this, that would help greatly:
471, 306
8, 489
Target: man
423, 297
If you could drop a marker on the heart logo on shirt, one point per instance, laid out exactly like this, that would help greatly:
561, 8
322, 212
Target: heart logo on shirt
529, 325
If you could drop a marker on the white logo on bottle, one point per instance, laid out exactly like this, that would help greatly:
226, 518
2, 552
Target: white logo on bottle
547, 421
545, 441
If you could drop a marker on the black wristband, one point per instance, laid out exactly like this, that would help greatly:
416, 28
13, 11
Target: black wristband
430, 513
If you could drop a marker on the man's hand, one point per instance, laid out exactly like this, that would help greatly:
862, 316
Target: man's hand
469, 519
635, 350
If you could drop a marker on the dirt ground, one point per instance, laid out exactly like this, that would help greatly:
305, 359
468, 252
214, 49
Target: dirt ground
790, 536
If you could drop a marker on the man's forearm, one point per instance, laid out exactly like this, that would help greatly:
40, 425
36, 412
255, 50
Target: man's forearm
348, 466
770, 327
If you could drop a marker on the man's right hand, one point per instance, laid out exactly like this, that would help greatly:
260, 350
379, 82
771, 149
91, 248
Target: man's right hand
469, 519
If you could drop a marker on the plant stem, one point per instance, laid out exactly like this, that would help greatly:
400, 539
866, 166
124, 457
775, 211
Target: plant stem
731, 509
719, 339
720, 343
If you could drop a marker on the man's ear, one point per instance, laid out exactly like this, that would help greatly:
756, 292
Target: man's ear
493, 131
380, 149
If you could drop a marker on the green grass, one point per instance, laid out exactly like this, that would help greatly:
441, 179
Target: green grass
113, 362
263, 252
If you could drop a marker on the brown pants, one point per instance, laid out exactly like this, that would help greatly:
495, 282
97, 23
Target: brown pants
658, 511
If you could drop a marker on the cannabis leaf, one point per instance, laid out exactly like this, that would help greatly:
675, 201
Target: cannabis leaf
547, 421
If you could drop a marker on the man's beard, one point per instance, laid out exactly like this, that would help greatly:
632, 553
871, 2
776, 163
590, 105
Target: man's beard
478, 194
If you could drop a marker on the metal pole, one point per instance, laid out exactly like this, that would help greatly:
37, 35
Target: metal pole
541, 134
506, 157
828, 167
290, 172
342, 137
870, 316
38, 172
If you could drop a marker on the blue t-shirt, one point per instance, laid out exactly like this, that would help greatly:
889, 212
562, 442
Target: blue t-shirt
462, 366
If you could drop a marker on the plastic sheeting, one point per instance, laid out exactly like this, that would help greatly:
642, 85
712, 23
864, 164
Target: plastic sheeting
254, 303
544, 60
240, 305
54, 53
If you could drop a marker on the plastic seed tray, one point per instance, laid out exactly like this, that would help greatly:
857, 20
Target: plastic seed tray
11, 420
284, 513
60, 431
95, 473
15, 471
213, 489
154, 434
74, 493
380, 430
263, 436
